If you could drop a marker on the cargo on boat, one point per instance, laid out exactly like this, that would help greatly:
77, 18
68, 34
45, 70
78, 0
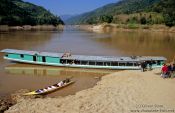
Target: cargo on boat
81, 61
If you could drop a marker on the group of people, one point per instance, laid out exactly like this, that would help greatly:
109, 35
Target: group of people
61, 83
168, 71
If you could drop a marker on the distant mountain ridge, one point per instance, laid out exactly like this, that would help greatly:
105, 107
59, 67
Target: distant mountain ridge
121, 7
109, 13
17, 12
66, 17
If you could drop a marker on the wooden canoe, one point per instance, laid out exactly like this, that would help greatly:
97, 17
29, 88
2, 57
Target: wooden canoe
36, 92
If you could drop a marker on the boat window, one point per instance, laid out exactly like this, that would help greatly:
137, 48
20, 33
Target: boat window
158, 62
114, 63
44, 59
154, 62
22, 56
6, 55
121, 64
91, 63
99, 63
107, 63
70, 61
136, 64
34, 58
129, 64
84, 62
77, 62
63, 61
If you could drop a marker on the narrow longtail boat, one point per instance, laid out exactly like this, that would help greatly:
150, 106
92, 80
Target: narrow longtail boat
82, 61
49, 89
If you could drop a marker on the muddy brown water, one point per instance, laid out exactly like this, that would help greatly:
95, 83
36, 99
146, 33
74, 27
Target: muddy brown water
16, 76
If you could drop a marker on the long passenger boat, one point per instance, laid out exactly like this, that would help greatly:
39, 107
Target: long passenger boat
81, 61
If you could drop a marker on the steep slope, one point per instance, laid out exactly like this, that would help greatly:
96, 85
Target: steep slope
121, 7
17, 12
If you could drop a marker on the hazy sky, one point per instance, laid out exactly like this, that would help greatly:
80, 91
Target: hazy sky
61, 7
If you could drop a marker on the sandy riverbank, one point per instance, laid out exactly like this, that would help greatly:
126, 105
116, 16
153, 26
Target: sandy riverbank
101, 28
120, 92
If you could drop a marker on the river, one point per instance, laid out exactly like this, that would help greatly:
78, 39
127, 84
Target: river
16, 76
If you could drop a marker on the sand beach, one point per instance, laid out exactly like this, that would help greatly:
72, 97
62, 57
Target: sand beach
129, 91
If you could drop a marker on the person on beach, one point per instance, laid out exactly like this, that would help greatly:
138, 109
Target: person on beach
150, 65
142, 69
172, 70
143, 66
169, 71
164, 71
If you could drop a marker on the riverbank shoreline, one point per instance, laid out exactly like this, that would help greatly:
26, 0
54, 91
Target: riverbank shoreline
30, 28
126, 27
95, 28
122, 92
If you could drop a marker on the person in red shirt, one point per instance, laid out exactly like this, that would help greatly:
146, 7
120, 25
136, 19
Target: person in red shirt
164, 71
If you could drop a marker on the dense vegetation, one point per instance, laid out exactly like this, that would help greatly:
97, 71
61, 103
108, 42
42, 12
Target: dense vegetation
167, 8
17, 12
129, 12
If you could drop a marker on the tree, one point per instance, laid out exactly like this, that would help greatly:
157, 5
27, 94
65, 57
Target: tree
168, 20
17, 12
166, 7
106, 18
143, 20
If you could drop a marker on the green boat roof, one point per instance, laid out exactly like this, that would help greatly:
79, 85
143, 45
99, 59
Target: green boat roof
86, 57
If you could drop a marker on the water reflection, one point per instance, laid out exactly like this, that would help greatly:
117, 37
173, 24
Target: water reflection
35, 70
35, 77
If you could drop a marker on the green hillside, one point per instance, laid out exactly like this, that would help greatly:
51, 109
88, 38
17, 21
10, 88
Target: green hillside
134, 11
17, 12
167, 8
122, 7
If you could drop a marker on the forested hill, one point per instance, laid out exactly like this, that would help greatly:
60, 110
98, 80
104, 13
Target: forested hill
129, 11
121, 7
167, 8
17, 12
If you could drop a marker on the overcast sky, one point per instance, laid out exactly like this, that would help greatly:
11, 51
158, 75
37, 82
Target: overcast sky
62, 7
